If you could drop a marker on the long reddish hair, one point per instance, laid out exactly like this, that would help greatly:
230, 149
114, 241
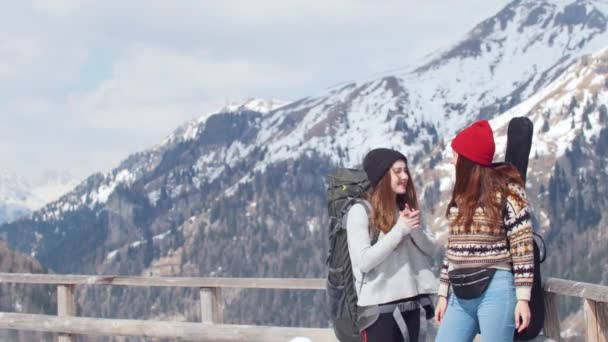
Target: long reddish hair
383, 200
477, 186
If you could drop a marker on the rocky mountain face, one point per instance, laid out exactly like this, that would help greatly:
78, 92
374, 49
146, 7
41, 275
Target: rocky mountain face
37, 299
241, 192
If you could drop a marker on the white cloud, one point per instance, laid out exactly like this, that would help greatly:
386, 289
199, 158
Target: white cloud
29, 63
16, 53
157, 88
85, 83
57, 7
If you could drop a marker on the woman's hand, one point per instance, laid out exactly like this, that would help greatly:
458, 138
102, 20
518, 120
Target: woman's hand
411, 217
522, 315
411, 222
442, 305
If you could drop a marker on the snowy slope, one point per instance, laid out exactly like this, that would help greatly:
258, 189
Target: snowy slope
190, 130
507, 58
502, 61
557, 118
569, 110
96, 189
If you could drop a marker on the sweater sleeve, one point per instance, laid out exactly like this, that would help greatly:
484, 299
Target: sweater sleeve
444, 281
518, 226
425, 241
361, 251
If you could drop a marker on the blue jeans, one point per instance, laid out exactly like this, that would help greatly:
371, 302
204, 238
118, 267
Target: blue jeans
492, 314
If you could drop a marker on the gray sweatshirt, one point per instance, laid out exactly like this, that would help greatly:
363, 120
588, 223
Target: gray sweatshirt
396, 267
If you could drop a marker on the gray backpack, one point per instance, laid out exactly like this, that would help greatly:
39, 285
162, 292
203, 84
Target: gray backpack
345, 189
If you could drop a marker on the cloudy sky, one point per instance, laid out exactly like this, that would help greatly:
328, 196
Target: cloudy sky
85, 83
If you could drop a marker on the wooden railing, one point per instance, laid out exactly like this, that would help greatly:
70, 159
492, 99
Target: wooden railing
67, 325
595, 307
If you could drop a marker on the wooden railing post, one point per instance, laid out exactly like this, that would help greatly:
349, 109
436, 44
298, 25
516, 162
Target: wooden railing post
596, 321
551, 328
589, 307
211, 305
66, 306
602, 321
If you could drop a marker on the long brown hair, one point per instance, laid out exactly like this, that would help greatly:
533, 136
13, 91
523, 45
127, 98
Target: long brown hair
383, 200
477, 186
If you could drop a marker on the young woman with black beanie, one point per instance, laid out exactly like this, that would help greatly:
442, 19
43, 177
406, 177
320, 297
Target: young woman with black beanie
390, 252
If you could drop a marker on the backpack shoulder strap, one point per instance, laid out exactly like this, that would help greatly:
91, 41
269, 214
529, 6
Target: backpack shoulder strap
366, 205
349, 203
368, 209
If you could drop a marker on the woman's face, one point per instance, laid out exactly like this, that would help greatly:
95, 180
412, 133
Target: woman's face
399, 177
454, 157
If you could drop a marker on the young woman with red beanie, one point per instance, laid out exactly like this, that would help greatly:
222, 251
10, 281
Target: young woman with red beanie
389, 252
487, 273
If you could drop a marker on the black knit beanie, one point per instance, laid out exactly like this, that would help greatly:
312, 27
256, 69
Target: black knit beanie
377, 162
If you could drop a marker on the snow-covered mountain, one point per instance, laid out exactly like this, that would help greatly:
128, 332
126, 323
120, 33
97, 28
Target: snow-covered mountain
570, 110
250, 179
19, 197
253, 104
14, 193
509, 57
503, 61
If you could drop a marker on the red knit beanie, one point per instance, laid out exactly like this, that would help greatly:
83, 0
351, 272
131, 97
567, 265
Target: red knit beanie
476, 143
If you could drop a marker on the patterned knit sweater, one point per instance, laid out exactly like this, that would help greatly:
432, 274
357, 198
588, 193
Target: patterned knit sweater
487, 245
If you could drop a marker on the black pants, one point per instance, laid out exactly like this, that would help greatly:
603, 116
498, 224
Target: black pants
385, 329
